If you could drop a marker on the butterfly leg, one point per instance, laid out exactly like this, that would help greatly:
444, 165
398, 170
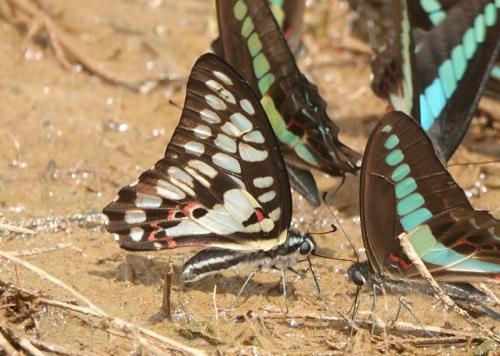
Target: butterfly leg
314, 277
403, 303
249, 278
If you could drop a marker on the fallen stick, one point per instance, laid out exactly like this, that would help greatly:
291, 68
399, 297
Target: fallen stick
22, 342
39, 250
93, 310
378, 326
17, 229
424, 272
167, 291
6, 346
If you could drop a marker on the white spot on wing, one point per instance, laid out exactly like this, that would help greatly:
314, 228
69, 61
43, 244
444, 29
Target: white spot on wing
275, 214
135, 216
180, 175
231, 129
147, 201
263, 182
254, 136
221, 91
202, 131
169, 191
250, 154
239, 204
212, 84
227, 162
136, 234
267, 197
198, 177
238, 181
209, 116
195, 148
221, 76
116, 237
247, 106
225, 143
241, 122
203, 168
215, 102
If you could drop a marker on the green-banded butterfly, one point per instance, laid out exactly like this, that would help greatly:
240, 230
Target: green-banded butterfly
402, 172
252, 42
222, 184
437, 70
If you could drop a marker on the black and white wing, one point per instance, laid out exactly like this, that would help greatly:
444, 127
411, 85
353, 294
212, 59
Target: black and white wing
222, 181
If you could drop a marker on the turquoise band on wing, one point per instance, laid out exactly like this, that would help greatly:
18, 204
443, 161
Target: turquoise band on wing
434, 11
434, 98
431, 251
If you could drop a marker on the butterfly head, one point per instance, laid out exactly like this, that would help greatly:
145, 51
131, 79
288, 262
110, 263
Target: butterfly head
300, 245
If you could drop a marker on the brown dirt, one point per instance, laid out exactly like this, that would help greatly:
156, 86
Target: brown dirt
62, 152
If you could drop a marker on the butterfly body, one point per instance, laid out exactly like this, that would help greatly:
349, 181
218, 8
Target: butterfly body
210, 261
252, 42
401, 169
222, 183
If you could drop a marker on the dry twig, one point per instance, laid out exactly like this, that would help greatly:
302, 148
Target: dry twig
92, 310
167, 291
17, 229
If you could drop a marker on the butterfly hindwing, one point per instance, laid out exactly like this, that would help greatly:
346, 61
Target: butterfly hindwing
222, 181
401, 168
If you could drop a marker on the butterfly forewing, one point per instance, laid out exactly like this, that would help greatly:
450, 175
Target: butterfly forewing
401, 169
222, 181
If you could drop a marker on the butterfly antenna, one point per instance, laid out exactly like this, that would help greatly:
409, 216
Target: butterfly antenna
340, 226
314, 276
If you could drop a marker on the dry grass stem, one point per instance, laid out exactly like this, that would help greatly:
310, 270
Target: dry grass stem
424, 272
92, 310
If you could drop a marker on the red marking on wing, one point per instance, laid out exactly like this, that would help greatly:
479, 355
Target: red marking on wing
170, 242
260, 214
389, 108
190, 207
151, 236
288, 32
399, 261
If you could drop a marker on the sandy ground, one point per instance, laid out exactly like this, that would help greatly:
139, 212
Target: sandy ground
69, 140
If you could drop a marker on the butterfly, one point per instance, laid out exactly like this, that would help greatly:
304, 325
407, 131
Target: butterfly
401, 169
252, 42
436, 68
222, 184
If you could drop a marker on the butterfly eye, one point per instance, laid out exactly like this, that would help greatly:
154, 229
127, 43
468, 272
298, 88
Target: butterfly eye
357, 277
305, 248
